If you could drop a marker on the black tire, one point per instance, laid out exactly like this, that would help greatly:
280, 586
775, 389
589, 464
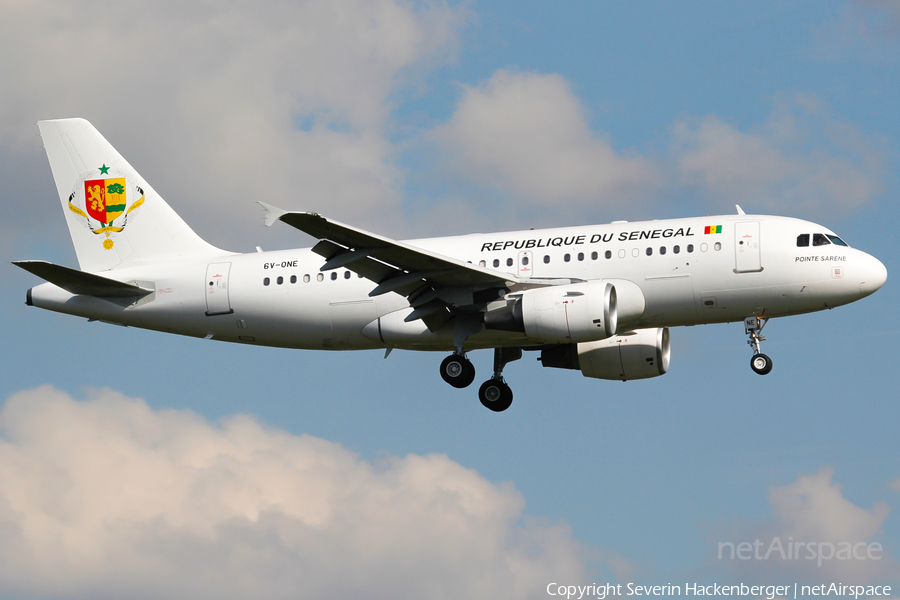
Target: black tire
495, 395
760, 363
457, 371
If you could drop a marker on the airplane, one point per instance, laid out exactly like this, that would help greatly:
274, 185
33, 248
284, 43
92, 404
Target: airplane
595, 298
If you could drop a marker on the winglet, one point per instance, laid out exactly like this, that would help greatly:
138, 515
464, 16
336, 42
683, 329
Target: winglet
273, 213
739, 209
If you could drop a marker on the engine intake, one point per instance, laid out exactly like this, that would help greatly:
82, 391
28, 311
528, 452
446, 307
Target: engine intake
638, 354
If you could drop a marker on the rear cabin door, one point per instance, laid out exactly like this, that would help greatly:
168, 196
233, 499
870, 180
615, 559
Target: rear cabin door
746, 247
217, 302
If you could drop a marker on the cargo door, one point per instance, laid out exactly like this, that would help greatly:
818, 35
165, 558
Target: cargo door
217, 301
746, 247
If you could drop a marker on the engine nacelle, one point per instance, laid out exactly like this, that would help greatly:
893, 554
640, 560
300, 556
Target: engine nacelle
560, 314
638, 354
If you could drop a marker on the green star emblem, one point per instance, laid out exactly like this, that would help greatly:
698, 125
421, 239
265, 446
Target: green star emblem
104, 170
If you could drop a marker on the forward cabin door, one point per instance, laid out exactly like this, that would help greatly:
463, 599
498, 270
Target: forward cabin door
746, 247
217, 302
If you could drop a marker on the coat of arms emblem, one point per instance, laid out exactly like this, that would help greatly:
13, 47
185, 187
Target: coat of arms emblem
106, 200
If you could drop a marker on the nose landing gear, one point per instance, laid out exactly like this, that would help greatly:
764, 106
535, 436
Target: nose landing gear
760, 363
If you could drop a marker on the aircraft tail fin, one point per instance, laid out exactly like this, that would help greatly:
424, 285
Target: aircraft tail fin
115, 218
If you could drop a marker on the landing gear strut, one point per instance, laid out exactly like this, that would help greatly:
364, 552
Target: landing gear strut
760, 363
494, 393
457, 370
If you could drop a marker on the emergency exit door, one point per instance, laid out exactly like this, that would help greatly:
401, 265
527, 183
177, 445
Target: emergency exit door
526, 264
746, 247
217, 301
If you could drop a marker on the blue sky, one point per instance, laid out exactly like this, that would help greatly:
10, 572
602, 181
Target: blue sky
430, 119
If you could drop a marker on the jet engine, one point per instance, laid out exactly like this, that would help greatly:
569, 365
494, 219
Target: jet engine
560, 314
638, 354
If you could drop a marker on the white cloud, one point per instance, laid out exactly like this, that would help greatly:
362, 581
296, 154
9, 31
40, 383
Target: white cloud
526, 134
862, 30
219, 104
108, 497
811, 510
801, 160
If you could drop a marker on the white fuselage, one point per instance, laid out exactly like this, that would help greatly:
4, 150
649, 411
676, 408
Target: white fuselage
687, 277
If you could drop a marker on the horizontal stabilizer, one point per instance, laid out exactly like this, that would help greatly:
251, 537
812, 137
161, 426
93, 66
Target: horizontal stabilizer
80, 282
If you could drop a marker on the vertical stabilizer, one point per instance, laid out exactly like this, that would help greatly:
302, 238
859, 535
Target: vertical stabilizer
115, 218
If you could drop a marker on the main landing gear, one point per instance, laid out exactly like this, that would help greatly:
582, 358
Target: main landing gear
494, 393
457, 370
760, 363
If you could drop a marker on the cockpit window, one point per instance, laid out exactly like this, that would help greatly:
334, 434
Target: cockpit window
819, 239
803, 239
836, 240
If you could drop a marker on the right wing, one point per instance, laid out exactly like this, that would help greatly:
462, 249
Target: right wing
437, 286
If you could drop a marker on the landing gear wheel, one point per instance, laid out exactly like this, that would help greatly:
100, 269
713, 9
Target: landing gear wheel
495, 395
458, 371
761, 363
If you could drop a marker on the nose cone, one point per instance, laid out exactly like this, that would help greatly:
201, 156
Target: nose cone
872, 276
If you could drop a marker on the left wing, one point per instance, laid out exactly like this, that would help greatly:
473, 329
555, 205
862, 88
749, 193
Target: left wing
437, 286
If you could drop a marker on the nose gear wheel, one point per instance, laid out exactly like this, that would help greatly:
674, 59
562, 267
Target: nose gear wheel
753, 326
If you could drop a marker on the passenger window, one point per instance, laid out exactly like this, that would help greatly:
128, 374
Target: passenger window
718, 246
496, 262
333, 275
509, 262
524, 260
820, 240
622, 253
803, 240
581, 256
608, 254
690, 248
293, 279
635, 252
346, 274
320, 277
481, 263
704, 247
649, 251
662, 249
546, 259
266, 281
280, 280
306, 279
676, 249
567, 257
836, 240
593, 256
